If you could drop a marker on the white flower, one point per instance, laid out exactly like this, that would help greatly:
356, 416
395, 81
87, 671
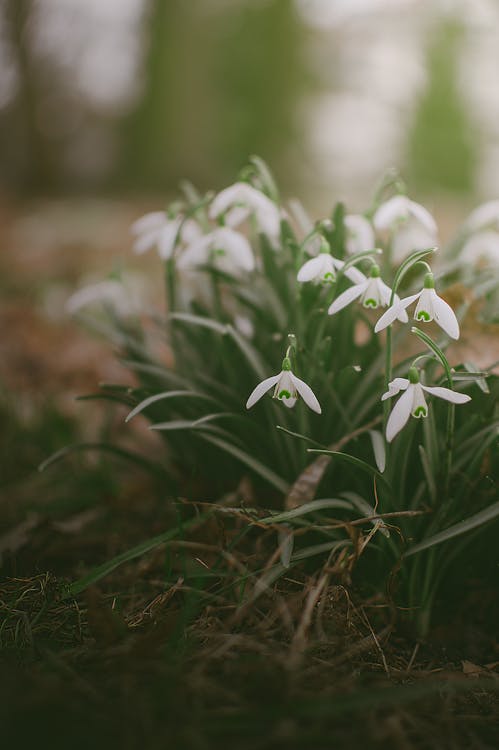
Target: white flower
430, 307
482, 246
485, 216
410, 225
124, 299
322, 269
240, 200
155, 229
287, 388
373, 293
413, 402
359, 234
227, 249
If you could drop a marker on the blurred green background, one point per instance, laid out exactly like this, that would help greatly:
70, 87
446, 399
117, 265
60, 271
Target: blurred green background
129, 96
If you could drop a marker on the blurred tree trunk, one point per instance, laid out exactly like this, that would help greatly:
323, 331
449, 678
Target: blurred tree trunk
25, 151
220, 83
442, 152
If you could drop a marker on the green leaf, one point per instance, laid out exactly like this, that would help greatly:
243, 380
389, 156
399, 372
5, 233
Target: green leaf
166, 395
191, 424
352, 460
298, 435
253, 463
140, 549
318, 549
462, 527
153, 467
201, 321
302, 510
430, 480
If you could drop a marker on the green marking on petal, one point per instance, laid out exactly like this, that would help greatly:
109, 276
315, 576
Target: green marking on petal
218, 251
329, 277
284, 394
420, 411
370, 303
423, 315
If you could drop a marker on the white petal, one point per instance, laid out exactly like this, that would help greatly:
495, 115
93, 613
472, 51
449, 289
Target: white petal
145, 242
236, 215
310, 270
447, 394
419, 405
148, 222
110, 292
424, 217
485, 215
425, 311
289, 402
391, 212
445, 316
481, 246
395, 311
226, 198
196, 253
409, 237
167, 237
261, 389
349, 295
355, 275
235, 245
359, 234
394, 387
400, 414
190, 231
306, 393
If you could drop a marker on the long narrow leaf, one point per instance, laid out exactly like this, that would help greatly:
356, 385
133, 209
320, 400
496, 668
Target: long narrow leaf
140, 549
166, 395
484, 516
270, 476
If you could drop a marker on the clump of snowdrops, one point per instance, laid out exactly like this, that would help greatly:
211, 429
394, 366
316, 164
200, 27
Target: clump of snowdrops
309, 359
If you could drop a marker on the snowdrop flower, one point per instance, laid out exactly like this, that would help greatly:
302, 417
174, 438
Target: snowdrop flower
125, 300
410, 225
373, 293
482, 246
430, 307
155, 229
287, 388
322, 269
240, 200
359, 234
485, 216
413, 402
227, 249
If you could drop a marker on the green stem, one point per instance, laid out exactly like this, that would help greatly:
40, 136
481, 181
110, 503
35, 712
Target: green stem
451, 410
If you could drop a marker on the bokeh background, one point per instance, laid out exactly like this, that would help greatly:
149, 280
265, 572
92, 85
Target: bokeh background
106, 104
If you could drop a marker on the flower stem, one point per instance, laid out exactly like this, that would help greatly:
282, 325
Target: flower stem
451, 409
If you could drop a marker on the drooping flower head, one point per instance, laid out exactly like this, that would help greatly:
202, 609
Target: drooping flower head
430, 307
227, 249
157, 230
241, 200
287, 388
372, 293
323, 268
409, 225
413, 402
482, 226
